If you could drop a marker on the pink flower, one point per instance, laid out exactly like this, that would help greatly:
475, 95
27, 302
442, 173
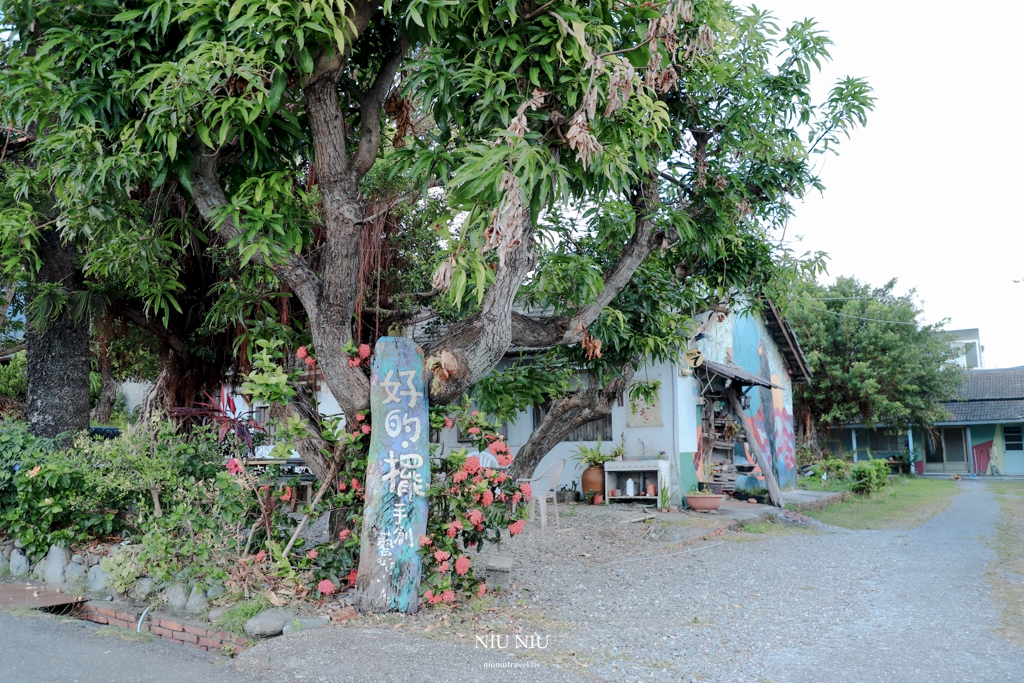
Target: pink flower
260, 557
501, 478
355, 484
312, 554
434, 599
326, 587
488, 473
454, 490
365, 429
428, 596
342, 486
516, 497
233, 467
476, 517
351, 578
448, 423
448, 596
451, 532
353, 362
425, 540
481, 590
505, 459
443, 567
459, 477
364, 351
472, 465
488, 498
301, 353
441, 555
501, 496
360, 417
526, 489
345, 533
310, 362
477, 479
474, 413
517, 527
473, 430
287, 495
462, 565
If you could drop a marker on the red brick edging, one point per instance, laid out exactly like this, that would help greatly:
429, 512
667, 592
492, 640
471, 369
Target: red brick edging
163, 626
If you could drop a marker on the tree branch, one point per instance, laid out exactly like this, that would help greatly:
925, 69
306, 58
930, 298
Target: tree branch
370, 109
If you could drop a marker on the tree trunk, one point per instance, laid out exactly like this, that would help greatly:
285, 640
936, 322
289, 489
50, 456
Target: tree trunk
108, 390
58, 357
566, 414
766, 468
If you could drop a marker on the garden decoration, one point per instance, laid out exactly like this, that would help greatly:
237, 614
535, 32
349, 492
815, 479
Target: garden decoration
397, 479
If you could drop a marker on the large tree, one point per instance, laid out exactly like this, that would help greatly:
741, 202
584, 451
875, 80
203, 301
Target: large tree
874, 362
267, 117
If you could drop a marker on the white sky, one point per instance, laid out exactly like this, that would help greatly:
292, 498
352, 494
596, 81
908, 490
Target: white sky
928, 192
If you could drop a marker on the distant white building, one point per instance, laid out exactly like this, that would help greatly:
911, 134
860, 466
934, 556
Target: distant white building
968, 342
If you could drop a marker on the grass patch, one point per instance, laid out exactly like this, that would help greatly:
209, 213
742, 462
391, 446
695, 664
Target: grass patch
830, 485
904, 504
124, 634
234, 619
1006, 574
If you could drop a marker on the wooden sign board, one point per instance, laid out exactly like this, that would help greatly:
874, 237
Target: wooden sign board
397, 479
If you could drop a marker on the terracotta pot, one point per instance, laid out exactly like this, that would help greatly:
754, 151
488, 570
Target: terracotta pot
593, 479
651, 490
704, 502
598, 499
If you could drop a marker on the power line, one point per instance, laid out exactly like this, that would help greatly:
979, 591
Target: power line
857, 317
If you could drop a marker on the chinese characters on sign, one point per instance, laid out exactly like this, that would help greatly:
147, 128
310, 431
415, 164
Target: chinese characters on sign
397, 478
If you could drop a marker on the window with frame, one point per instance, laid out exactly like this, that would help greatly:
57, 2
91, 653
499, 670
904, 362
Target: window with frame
598, 430
886, 441
1013, 438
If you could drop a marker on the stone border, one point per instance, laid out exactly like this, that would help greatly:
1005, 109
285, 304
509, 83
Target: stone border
821, 504
171, 628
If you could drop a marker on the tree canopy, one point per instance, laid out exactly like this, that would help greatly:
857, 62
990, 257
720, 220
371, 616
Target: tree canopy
874, 362
250, 136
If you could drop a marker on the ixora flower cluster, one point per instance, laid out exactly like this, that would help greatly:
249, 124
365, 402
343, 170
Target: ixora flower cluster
469, 505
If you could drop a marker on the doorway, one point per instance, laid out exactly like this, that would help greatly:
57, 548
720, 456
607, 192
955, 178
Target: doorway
946, 450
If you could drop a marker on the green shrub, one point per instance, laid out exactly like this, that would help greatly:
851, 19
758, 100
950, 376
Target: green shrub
870, 476
13, 378
836, 468
17, 445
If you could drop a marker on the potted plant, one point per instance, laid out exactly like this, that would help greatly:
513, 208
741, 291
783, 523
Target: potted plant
592, 460
702, 499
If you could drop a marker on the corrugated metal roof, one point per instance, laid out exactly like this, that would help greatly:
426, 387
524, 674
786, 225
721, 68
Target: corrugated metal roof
734, 373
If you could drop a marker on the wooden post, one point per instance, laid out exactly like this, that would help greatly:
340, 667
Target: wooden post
769, 476
397, 478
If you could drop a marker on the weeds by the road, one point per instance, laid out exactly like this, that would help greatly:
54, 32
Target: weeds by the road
1006, 574
124, 634
905, 504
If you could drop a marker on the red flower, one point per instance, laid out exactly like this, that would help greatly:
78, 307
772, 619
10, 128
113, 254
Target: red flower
360, 417
428, 596
477, 479
481, 590
476, 517
517, 527
454, 490
448, 596
434, 599
488, 473
473, 430
353, 362
451, 532
472, 465
501, 478
364, 351
310, 362
516, 497
425, 540
301, 353
355, 484
505, 459
462, 565
345, 533
526, 489
443, 567
312, 554
459, 477
326, 587
287, 495
501, 496
342, 486
365, 429
488, 498
448, 423
351, 578
234, 467
474, 413
441, 555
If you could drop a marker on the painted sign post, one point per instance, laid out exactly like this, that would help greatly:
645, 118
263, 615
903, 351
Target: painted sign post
397, 478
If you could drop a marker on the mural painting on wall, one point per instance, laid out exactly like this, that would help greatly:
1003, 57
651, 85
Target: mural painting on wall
643, 414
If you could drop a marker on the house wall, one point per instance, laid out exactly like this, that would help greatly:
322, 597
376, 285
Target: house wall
672, 433
745, 341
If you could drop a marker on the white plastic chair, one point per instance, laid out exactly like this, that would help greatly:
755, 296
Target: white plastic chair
543, 487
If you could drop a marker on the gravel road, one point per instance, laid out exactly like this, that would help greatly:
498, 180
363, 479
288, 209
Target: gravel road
811, 604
